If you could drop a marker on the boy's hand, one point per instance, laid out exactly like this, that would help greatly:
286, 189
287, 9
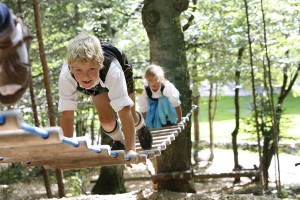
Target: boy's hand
131, 153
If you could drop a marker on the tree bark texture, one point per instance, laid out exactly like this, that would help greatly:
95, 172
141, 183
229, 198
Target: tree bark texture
235, 132
109, 181
167, 49
196, 120
211, 122
35, 3
111, 178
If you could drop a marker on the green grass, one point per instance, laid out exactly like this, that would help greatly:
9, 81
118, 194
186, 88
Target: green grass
225, 120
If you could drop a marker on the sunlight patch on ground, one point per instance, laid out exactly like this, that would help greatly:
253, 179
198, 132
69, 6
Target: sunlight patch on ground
138, 170
223, 162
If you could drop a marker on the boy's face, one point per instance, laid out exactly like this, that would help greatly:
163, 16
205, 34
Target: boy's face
86, 73
153, 83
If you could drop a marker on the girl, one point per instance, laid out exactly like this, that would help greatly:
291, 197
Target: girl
159, 104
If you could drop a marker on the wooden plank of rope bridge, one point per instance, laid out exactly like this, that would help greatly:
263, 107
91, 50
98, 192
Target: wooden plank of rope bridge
92, 160
177, 127
10, 120
164, 137
166, 129
150, 153
154, 151
119, 158
159, 141
14, 132
42, 150
68, 152
160, 146
65, 156
21, 138
161, 138
175, 133
166, 141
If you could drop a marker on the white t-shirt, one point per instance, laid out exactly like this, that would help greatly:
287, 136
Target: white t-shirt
115, 83
169, 91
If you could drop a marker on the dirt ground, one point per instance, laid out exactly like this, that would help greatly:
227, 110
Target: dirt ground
209, 189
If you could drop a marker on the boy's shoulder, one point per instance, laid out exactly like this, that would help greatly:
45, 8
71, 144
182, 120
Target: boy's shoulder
110, 49
65, 73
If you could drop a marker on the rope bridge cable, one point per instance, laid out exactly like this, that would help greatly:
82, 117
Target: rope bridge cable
33, 146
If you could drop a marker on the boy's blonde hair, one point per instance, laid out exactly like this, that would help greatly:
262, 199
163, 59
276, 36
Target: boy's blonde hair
155, 71
84, 47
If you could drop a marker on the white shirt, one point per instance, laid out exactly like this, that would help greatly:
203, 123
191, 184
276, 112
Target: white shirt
115, 82
169, 91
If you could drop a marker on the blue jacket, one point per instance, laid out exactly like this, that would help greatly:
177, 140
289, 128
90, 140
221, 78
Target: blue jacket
161, 113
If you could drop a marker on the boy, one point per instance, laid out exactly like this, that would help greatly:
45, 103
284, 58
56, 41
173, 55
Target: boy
103, 72
14, 58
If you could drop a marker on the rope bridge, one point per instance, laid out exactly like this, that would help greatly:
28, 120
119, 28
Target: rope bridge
33, 146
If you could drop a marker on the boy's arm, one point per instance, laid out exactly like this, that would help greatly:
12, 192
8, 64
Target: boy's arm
128, 128
67, 122
179, 113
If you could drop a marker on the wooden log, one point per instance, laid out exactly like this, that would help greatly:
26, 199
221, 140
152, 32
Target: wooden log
233, 174
186, 175
193, 176
141, 178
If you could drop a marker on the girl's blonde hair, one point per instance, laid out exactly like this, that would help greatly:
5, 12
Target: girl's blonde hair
155, 71
84, 47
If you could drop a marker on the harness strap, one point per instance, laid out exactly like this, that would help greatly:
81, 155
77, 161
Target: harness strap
149, 92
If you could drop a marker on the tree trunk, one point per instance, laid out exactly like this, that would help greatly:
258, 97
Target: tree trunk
109, 181
167, 49
35, 3
253, 83
111, 178
196, 119
237, 115
196, 144
37, 124
211, 122
269, 147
